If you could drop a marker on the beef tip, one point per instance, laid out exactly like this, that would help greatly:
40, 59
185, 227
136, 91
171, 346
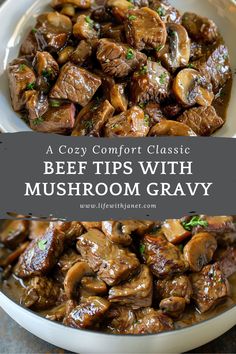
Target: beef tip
120, 231
87, 314
118, 98
36, 103
92, 225
173, 306
21, 78
85, 28
30, 44
165, 10
120, 319
203, 121
56, 120
112, 262
199, 50
172, 110
216, 224
79, 4
92, 118
215, 67
118, 59
154, 112
226, 239
101, 15
228, 262
200, 250
40, 293
210, 287
200, 28
37, 229
150, 83
41, 255
137, 292
162, 257
131, 123
108, 30
177, 286
171, 128
75, 84
12, 233
144, 29
72, 230
46, 65
81, 53
68, 259
174, 231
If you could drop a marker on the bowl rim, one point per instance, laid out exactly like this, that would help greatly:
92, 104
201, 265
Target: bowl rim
94, 332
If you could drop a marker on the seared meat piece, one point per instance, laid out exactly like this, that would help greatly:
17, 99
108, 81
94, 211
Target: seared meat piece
101, 15
112, 262
178, 286
215, 67
199, 50
92, 225
154, 112
210, 287
37, 229
120, 231
30, 44
36, 103
68, 259
202, 120
108, 30
200, 28
173, 306
84, 28
199, 250
165, 10
228, 262
171, 127
81, 53
162, 257
41, 255
131, 123
174, 231
172, 110
7, 258
118, 59
21, 78
118, 98
150, 83
40, 293
216, 224
92, 118
87, 314
56, 120
12, 233
137, 292
46, 65
144, 29
72, 230
75, 84
80, 4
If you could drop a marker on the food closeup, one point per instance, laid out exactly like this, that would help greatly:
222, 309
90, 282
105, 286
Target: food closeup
121, 277
120, 68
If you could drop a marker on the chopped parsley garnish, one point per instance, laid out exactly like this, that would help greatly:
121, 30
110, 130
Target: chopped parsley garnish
47, 73
163, 78
195, 221
42, 244
161, 11
115, 126
55, 103
190, 66
143, 70
159, 48
132, 17
22, 67
130, 54
34, 30
142, 105
89, 21
142, 249
181, 247
147, 120
31, 86
38, 121
88, 124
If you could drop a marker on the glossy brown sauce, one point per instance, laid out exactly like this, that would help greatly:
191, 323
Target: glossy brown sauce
221, 103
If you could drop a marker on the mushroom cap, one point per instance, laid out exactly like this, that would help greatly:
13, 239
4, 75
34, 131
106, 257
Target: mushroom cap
74, 276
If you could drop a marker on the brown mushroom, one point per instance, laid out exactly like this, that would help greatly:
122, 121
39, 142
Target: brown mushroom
118, 98
74, 276
199, 250
191, 88
68, 10
64, 54
84, 28
80, 4
119, 8
171, 127
94, 285
114, 230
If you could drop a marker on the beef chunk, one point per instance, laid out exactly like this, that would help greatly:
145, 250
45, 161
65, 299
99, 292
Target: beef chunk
84, 28
228, 262
174, 231
165, 10
81, 53
118, 59
172, 128
56, 120
131, 123
37, 229
200, 28
172, 110
75, 84
21, 78
109, 30
79, 4
209, 287
46, 65
137, 292
36, 104
40, 293
12, 233
71, 229
87, 314
112, 262
173, 306
215, 67
162, 257
144, 29
30, 44
41, 255
154, 112
150, 83
216, 224
177, 286
202, 120
92, 118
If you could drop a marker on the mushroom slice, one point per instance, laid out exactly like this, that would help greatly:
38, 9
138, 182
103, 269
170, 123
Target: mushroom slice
176, 53
174, 231
94, 285
74, 276
199, 250
191, 88
171, 128
80, 4
119, 8
118, 98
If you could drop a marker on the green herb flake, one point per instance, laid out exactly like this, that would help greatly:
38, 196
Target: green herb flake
55, 103
31, 86
195, 221
132, 17
38, 121
161, 11
130, 54
34, 30
89, 21
190, 66
143, 70
47, 73
22, 67
163, 78
142, 105
115, 126
147, 120
42, 244
159, 48
88, 124
181, 247
142, 249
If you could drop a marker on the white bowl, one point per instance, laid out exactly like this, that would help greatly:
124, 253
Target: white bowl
18, 16
88, 342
